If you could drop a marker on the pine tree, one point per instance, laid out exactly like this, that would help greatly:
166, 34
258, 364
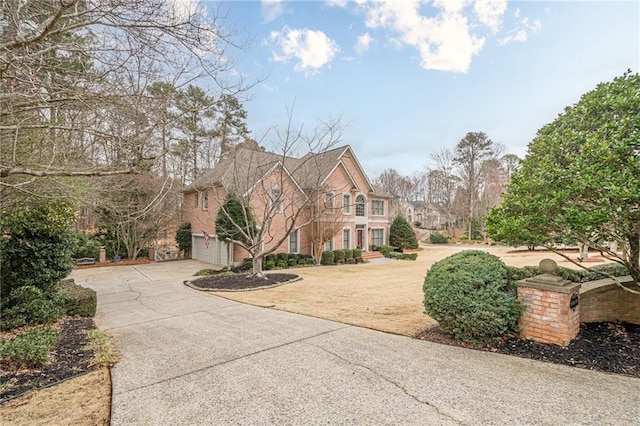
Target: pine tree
401, 234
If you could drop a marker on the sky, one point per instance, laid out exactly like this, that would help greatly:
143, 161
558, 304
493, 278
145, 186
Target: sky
408, 78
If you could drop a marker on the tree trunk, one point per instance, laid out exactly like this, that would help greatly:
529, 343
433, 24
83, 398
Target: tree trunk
634, 257
257, 267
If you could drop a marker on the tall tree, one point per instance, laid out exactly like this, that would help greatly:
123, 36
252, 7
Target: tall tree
470, 153
580, 179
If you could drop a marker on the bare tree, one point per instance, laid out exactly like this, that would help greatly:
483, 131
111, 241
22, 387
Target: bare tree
328, 222
69, 69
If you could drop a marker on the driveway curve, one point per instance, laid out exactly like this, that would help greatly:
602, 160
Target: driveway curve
192, 358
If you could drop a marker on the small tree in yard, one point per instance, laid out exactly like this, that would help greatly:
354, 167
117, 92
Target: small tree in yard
580, 179
183, 239
235, 222
401, 234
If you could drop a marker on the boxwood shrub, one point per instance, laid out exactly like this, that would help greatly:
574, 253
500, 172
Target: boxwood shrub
437, 238
327, 258
338, 256
282, 257
471, 297
30, 348
78, 300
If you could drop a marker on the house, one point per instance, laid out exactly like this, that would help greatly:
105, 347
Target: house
428, 215
325, 199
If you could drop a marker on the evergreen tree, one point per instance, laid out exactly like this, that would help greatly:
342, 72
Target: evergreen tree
235, 221
401, 234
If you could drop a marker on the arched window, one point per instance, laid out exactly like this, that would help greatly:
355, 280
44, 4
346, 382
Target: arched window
360, 205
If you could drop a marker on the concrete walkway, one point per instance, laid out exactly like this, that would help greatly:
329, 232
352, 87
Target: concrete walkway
191, 358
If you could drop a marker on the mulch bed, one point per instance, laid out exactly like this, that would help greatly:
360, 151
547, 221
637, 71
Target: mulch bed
239, 281
606, 346
68, 359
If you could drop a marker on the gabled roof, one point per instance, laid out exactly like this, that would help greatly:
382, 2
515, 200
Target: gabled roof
246, 167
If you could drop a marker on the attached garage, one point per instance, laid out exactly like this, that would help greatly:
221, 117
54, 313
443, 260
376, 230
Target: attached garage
217, 253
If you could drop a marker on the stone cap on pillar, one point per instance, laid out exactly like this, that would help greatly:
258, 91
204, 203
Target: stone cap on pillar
548, 280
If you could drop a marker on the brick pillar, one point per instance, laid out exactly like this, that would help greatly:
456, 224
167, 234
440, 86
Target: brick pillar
152, 254
103, 255
551, 313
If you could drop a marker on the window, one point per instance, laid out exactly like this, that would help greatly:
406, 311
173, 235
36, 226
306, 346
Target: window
293, 241
377, 237
328, 201
205, 201
360, 205
275, 197
328, 246
346, 238
377, 208
346, 203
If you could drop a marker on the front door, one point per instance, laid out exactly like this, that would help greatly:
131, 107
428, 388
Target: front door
360, 238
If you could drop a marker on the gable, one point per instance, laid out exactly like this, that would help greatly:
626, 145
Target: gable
356, 173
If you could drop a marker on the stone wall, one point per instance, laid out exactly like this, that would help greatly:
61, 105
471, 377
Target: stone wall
603, 300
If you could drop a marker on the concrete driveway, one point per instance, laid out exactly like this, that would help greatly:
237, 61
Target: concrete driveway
196, 359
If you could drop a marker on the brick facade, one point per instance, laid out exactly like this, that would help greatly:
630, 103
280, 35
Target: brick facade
605, 301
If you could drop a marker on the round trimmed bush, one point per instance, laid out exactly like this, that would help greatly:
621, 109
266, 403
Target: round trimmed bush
471, 297
338, 256
327, 258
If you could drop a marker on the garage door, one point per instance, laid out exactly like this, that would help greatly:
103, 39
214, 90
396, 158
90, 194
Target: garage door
217, 253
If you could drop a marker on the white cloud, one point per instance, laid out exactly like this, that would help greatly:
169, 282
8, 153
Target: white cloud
521, 35
516, 14
271, 9
443, 41
336, 3
521, 32
312, 49
490, 12
363, 43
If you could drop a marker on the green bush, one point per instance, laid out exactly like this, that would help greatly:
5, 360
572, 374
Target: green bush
327, 258
310, 261
293, 261
269, 265
348, 253
85, 246
338, 256
578, 276
401, 234
470, 296
357, 253
183, 237
36, 242
247, 264
385, 250
403, 256
271, 258
30, 348
78, 300
30, 305
437, 238
295, 256
281, 264
282, 257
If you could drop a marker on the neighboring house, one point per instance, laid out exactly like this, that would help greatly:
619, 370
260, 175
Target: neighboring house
429, 215
339, 201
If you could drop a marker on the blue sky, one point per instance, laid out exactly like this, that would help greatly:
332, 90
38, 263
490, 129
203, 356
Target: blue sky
411, 77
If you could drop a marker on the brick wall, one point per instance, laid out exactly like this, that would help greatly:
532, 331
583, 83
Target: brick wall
606, 301
546, 316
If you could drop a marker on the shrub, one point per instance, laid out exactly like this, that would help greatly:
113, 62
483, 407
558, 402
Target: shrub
338, 256
327, 258
183, 237
271, 258
85, 246
30, 305
401, 234
417, 224
348, 253
32, 347
578, 276
357, 253
385, 250
470, 296
281, 264
78, 300
403, 256
310, 261
295, 256
36, 242
437, 238
293, 261
247, 264
282, 257
269, 265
